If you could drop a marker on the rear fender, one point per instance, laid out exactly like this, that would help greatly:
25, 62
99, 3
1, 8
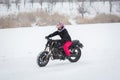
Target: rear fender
80, 45
76, 43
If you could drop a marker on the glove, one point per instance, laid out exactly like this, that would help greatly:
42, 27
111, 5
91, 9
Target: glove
46, 37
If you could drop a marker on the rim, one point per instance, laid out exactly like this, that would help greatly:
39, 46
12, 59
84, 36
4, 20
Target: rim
42, 59
74, 54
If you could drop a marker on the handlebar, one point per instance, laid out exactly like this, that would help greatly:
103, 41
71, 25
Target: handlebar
48, 38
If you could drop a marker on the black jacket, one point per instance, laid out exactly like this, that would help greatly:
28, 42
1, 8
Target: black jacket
63, 33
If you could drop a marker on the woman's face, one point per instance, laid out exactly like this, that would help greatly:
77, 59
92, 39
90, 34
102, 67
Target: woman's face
59, 26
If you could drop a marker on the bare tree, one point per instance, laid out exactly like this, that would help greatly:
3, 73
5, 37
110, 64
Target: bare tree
24, 3
17, 2
1, 2
91, 1
32, 1
41, 2
70, 1
110, 3
51, 4
81, 9
7, 2
62, 2
104, 1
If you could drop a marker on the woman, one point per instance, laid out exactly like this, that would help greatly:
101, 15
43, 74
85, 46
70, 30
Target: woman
65, 37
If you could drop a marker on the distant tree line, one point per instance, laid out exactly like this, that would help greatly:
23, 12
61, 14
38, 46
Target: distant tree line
51, 1
81, 8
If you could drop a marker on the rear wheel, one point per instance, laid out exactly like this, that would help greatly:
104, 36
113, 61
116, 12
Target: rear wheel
43, 59
75, 55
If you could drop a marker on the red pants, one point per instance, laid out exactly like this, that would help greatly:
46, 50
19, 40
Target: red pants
66, 48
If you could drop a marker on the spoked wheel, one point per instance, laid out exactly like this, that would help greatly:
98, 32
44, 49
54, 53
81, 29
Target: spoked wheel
75, 55
43, 59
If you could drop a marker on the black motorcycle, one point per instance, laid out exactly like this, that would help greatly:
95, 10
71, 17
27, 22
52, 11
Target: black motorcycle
54, 50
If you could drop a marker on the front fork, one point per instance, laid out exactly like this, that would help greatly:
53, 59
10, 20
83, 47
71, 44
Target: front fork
49, 53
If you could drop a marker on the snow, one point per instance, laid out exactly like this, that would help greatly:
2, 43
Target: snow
100, 60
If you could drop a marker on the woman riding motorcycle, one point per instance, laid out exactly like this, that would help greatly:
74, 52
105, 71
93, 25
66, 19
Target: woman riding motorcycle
65, 38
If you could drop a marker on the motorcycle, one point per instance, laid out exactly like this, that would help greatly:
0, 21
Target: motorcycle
53, 50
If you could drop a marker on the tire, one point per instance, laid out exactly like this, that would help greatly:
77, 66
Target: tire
75, 55
43, 59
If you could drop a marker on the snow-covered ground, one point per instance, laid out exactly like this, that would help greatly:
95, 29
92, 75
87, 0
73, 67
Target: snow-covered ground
100, 60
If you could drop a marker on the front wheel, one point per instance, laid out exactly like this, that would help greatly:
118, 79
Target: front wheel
75, 55
43, 59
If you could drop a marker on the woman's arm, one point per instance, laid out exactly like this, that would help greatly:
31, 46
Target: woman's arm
53, 34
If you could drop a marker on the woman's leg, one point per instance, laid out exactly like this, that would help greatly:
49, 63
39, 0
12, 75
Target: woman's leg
66, 48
